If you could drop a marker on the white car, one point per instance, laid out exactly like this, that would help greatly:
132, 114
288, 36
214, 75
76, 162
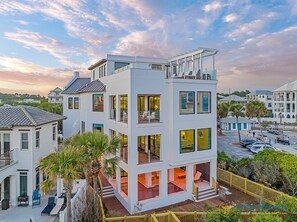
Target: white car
261, 147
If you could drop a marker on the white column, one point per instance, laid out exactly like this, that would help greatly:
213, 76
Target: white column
148, 179
146, 144
213, 62
213, 170
201, 63
13, 190
2, 190
192, 64
132, 189
171, 175
163, 184
190, 177
118, 179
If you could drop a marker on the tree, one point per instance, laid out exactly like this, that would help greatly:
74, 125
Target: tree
63, 164
237, 111
256, 109
222, 112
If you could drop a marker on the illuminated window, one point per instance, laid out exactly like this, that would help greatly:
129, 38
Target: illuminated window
186, 102
70, 103
98, 103
76, 102
187, 138
204, 139
203, 102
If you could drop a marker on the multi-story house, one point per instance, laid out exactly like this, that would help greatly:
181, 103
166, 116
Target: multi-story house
264, 96
55, 96
285, 102
164, 113
27, 134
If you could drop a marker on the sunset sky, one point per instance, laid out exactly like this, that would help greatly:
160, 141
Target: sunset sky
43, 41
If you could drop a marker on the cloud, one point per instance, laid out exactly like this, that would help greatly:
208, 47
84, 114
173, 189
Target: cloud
213, 6
22, 22
293, 6
230, 18
19, 65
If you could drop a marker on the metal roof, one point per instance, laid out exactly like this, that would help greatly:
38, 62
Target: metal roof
25, 116
76, 85
234, 98
261, 92
95, 86
292, 86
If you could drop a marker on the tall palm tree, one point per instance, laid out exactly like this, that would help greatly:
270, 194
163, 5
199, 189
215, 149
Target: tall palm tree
257, 109
63, 164
237, 111
222, 112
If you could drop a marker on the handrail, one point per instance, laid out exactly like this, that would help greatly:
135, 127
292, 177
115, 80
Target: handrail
6, 158
100, 186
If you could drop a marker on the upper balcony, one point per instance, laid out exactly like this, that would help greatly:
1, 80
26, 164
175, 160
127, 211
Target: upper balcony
148, 108
7, 158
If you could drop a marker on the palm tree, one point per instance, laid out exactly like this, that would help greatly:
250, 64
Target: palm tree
257, 109
222, 112
63, 164
237, 111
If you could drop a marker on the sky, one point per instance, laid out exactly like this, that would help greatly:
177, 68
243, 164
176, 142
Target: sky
43, 41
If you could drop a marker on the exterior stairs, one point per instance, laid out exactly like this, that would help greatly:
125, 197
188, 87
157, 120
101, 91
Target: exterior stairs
107, 191
206, 194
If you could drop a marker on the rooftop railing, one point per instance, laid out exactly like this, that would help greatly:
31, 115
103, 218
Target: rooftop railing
194, 74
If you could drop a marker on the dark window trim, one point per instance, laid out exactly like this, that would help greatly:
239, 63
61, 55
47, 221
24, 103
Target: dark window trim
24, 130
180, 148
194, 112
209, 102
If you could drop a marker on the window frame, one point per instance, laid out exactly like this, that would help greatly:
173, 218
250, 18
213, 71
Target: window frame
98, 124
180, 103
75, 99
180, 144
209, 100
93, 102
26, 141
70, 104
23, 174
37, 139
209, 139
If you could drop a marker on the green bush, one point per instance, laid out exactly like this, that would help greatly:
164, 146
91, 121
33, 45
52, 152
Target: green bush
290, 204
223, 215
265, 218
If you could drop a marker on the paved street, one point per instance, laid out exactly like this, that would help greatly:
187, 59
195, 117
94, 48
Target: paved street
229, 143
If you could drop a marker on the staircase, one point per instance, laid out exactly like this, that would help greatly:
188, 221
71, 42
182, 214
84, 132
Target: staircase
206, 194
107, 191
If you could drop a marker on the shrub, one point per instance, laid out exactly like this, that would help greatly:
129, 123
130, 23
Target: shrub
290, 204
223, 215
265, 218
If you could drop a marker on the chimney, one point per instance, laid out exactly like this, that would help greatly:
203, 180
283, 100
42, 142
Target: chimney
76, 74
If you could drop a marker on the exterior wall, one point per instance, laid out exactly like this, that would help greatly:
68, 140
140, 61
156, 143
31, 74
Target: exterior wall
285, 106
72, 124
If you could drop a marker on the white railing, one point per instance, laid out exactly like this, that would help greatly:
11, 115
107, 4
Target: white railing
7, 158
195, 74
148, 116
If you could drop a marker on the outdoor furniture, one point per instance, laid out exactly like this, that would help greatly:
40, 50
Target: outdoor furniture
58, 207
50, 205
23, 200
182, 175
197, 176
36, 198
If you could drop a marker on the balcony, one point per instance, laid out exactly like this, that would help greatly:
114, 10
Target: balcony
124, 116
194, 74
149, 149
149, 116
6, 158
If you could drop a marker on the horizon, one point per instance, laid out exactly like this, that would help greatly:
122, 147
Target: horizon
44, 42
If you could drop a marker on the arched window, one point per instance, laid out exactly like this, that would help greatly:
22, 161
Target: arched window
288, 116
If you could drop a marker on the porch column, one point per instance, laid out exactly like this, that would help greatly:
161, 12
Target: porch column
148, 179
213, 171
190, 177
132, 190
171, 175
163, 184
13, 190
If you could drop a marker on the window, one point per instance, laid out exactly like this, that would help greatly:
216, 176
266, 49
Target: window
124, 109
234, 125
244, 125
37, 139
70, 103
187, 138
118, 65
98, 103
6, 142
186, 102
156, 67
98, 127
76, 103
204, 139
24, 141
203, 102
83, 126
23, 184
113, 107
54, 133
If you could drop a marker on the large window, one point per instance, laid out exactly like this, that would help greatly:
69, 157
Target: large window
37, 139
186, 102
70, 103
203, 102
98, 127
113, 107
98, 104
118, 65
124, 109
24, 141
187, 141
23, 184
76, 103
204, 139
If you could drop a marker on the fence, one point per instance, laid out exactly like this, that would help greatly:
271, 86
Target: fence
250, 187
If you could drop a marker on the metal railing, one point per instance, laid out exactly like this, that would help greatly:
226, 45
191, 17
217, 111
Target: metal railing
194, 74
124, 116
149, 116
6, 158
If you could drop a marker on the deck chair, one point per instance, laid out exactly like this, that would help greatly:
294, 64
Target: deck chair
57, 208
36, 198
50, 205
198, 74
197, 176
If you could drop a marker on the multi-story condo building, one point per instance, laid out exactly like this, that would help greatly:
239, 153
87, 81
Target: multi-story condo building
285, 102
55, 96
264, 96
164, 113
27, 134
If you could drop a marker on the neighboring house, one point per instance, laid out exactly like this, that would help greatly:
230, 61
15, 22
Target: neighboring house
27, 134
285, 102
29, 101
229, 123
164, 113
234, 98
55, 96
264, 96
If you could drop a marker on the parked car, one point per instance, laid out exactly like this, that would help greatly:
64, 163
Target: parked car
271, 130
258, 143
246, 142
283, 140
278, 132
258, 148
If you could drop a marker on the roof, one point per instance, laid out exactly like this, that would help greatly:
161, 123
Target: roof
261, 92
233, 120
292, 86
76, 85
95, 86
234, 98
100, 62
25, 116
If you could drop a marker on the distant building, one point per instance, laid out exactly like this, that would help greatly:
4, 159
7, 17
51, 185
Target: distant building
264, 96
0, 101
29, 101
234, 98
285, 102
230, 124
55, 96
27, 134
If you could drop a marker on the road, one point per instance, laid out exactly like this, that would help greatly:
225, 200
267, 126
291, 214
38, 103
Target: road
229, 143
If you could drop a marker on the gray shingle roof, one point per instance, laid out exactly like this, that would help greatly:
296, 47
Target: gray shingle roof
261, 92
25, 116
95, 86
77, 85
